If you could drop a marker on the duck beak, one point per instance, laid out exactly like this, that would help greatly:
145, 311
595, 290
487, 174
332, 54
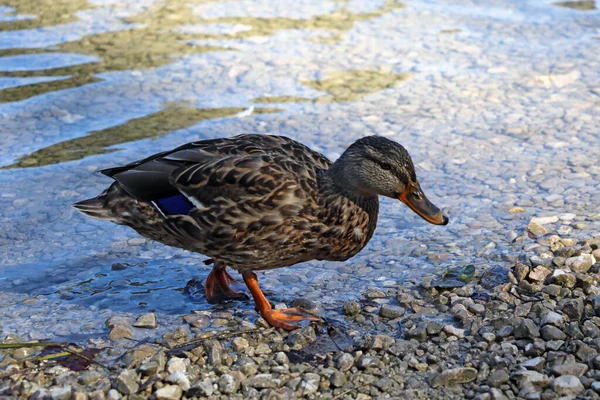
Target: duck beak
414, 198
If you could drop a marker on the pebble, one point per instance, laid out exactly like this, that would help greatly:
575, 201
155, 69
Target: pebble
581, 263
544, 220
170, 392
575, 369
147, 321
391, 311
454, 376
567, 385
536, 229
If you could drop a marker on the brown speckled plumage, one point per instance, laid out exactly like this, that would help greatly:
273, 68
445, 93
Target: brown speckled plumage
266, 202
256, 202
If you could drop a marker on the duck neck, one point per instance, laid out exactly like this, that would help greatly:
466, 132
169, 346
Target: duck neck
336, 186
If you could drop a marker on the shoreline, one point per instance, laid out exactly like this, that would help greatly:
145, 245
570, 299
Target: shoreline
531, 332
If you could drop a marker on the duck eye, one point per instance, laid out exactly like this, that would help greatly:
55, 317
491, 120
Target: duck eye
386, 166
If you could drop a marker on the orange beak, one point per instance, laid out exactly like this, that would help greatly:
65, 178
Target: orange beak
414, 198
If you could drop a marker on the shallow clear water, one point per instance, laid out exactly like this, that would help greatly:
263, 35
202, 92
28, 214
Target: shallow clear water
498, 103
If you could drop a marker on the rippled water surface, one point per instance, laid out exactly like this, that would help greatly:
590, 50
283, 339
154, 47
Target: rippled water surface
498, 103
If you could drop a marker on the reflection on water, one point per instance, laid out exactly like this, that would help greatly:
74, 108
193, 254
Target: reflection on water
172, 118
41, 13
584, 5
343, 86
155, 40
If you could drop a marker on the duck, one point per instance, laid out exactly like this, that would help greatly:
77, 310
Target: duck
257, 202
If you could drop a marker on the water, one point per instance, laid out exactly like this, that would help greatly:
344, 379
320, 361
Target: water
497, 102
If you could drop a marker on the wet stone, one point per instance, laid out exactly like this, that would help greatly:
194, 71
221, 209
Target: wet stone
573, 308
536, 229
147, 321
302, 336
118, 332
391, 311
351, 308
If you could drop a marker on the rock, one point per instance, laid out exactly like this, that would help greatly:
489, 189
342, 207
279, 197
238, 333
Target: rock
391, 311
201, 389
365, 362
228, 384
302, 336
536, 364
573, 308
580, 263
351, 307
170, 392
263, 348
453, 331
536, 229
60, 392
563, 279
567, 385
527, 330
147, 321
496, 394
89, 378
520, 271
539, 273
454, 376
575, 369
121, 332
378, 342
550, 332
596, 305
176, 364
345, 362
135, 357
337, 379
544, 220
498, 378
262, 381
419, 333
553, 318
239, 344
530, 378
179, 378
281, 358
127, 382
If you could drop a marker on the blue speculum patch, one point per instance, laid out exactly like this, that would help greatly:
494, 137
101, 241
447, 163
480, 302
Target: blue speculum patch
174, 205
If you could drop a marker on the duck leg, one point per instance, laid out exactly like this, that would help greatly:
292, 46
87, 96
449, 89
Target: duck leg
218, 285
288, 319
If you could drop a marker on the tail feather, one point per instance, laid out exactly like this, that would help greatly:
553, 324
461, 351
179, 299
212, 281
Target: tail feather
96, 207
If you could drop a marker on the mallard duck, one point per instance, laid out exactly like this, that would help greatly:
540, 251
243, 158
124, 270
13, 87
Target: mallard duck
258, 202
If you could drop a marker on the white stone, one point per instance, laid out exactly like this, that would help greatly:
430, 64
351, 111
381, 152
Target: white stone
544, 220
180, 378
580, 263
176, 364
171, 392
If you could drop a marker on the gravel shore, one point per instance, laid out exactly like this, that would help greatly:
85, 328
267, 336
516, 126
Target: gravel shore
531, 332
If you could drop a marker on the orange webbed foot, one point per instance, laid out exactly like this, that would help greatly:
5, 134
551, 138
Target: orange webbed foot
288, 318
218, 286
